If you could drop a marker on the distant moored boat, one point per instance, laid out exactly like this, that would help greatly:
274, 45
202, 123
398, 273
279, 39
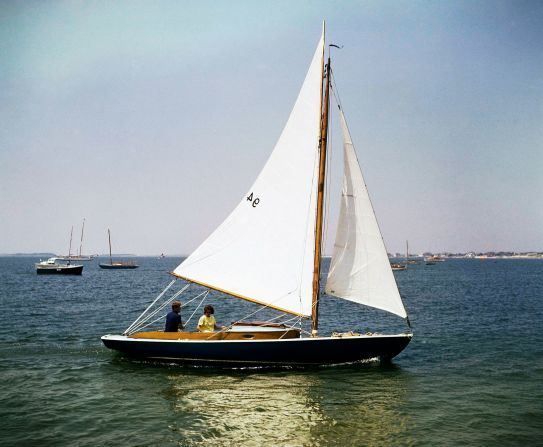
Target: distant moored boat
126, 265
397, 267
52, 267
80, 256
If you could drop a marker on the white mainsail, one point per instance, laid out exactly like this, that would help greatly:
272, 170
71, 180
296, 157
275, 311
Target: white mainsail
360, 269
264, 250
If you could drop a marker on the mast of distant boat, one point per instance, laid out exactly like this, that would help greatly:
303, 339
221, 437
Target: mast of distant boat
81, 243
320, 195
109, 237
70, 247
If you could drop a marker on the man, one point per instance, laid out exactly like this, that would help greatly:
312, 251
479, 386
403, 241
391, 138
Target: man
173, 319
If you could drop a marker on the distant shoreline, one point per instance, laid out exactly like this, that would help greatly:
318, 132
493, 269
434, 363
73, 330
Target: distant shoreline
469, 255
114, 255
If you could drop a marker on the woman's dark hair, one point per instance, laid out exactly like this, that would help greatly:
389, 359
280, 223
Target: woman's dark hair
209, 308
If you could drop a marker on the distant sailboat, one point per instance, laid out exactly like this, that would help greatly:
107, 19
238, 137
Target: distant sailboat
268, 251
119, 265
407, 257
79, 256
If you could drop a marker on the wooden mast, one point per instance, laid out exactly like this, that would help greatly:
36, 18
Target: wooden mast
320, 200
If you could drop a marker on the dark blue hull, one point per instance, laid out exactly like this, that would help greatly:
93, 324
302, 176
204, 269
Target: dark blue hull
118, 266
76, 270
302, 351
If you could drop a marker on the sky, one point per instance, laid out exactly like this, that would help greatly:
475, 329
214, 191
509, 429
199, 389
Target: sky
154, 118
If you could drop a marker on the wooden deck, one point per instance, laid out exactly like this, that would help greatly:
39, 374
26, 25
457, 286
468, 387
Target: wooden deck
260, 335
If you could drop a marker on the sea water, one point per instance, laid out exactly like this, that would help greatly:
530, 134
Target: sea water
472, 375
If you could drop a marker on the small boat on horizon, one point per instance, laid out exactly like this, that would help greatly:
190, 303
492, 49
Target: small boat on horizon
119, 265
397, 267
432, 260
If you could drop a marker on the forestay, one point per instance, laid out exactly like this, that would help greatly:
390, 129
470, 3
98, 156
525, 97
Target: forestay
264, 250
360, 269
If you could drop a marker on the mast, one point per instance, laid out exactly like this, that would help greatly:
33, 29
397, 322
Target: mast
70, 248
320, 200
109, 237
81, 243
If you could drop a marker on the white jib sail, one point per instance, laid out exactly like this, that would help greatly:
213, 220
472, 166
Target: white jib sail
264, 250
360, 269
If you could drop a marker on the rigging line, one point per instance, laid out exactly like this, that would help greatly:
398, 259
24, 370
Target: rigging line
197, 307
287, 321
148, 324
246, 316
269, 320
150, 305
338, 100
196, 297
335, 90
327, 189
162, 306
285, 333
139, 326
226, 328
290, 319
299, 323
240, 320
309, 216
145, 317
153, 313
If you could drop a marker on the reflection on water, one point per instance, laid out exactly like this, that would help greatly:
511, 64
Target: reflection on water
336, 406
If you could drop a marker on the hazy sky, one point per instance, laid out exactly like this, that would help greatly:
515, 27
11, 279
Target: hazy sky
154, 118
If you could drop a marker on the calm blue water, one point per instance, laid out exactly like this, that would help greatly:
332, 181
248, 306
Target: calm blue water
472, 375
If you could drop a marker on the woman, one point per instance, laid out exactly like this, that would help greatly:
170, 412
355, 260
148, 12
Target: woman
207, 322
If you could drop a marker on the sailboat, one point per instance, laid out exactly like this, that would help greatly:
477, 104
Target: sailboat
118, 265
79, 256
407, 258
268, 252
